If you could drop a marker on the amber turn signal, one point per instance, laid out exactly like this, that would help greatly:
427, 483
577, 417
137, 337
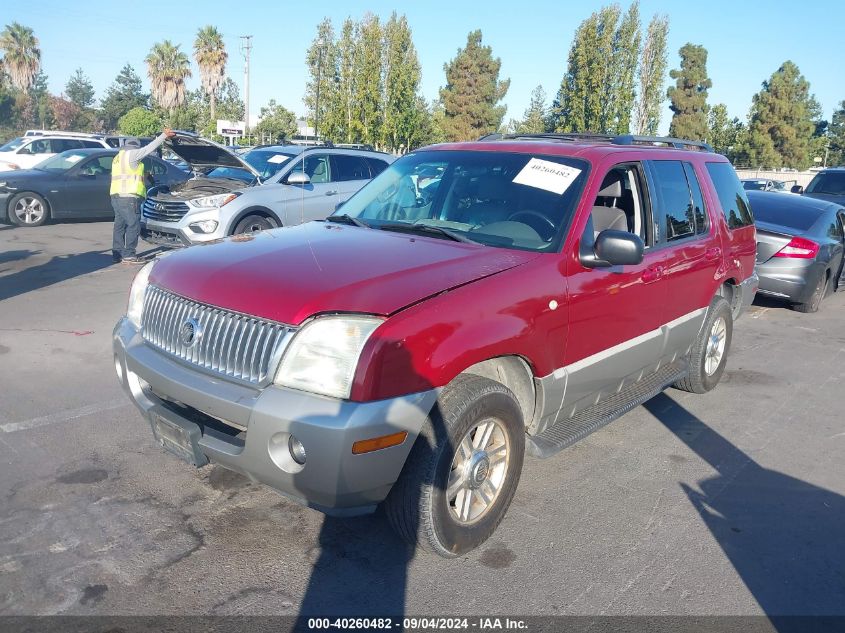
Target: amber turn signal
378, 443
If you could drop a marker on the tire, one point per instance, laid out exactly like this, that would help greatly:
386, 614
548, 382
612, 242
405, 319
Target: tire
420, 509
254, 224
813, 304
28, 209
704, 370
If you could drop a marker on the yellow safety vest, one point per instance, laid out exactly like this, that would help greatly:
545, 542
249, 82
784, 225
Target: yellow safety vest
126, 181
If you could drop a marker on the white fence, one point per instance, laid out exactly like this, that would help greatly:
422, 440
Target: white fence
802, 178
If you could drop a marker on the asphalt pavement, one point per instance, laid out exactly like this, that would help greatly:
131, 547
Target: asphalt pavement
728, 503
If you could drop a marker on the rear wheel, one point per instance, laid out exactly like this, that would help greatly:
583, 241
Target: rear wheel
28, 209
709, 353
815, 300
254, 224
463, 470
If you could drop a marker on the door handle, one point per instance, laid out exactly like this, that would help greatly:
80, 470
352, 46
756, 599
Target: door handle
331, 193
713, 253
652, 274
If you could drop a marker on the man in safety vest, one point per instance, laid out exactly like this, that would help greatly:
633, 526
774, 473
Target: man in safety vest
128, 190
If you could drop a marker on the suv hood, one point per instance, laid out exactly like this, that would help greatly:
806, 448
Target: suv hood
202, 154
289, 274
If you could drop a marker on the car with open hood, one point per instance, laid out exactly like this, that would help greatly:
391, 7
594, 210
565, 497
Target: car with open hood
267, 187
474, 303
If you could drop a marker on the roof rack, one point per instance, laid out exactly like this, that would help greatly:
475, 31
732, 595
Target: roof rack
622, 139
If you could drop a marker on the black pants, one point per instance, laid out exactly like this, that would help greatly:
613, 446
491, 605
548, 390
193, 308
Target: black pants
127, 225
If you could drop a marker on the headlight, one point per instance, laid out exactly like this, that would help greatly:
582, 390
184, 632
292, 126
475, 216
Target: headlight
323, 355
136, 295
213, 201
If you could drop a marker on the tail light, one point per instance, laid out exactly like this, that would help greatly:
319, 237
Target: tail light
800, 248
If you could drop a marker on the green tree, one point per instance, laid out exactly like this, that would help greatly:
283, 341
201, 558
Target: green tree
321, 90
21, 55
124, 94
276, 122
367, 121
534, 119
652, 77
597, 92
140, 122
836, 137
689, 94
167, 68
723, 133
783, 120
80, 90
472, 92
401, 84
210, 55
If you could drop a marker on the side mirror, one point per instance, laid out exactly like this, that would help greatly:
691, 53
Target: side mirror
299, 178
797, 189
88, 175
613, 248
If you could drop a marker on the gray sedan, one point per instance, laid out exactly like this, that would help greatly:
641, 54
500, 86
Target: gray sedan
800, 244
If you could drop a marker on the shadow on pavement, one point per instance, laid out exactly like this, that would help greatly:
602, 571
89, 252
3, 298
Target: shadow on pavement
15, 256
58, 269
785, 537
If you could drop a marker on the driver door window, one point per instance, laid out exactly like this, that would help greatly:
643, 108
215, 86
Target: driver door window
316, 166
620, 204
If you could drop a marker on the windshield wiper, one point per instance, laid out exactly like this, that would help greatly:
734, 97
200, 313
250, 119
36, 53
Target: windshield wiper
347, 219
428, 228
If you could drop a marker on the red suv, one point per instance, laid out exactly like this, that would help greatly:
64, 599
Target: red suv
474, 302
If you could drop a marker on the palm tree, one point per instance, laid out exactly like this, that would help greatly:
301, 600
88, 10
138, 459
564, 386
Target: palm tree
210, 55
22, 57
167, 68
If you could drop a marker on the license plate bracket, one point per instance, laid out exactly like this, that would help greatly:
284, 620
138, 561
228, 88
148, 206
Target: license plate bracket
180, 438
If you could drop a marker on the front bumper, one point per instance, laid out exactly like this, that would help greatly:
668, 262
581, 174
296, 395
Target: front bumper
333, 480
180, 233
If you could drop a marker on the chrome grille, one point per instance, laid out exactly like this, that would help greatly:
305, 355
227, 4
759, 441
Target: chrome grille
171, 211
230, 344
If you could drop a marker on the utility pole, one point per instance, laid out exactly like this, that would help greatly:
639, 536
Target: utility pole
246, 47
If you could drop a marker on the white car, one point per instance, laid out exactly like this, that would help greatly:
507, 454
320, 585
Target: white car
26, 152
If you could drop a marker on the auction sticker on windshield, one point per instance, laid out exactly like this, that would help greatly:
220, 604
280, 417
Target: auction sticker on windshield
278, 158
544, 174
73, 159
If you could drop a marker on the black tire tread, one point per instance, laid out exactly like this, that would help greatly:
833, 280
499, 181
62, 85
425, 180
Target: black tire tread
413, 491
815, 301
695, 381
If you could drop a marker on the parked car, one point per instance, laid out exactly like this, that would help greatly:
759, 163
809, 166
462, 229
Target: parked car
828, 184
764, 184
297, 184
410, 350
800, 245
27, 151
73, 184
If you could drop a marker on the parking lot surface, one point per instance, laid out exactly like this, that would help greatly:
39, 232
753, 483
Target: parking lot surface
728, 503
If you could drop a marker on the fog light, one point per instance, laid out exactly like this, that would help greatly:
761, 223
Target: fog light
297, 450
206, 226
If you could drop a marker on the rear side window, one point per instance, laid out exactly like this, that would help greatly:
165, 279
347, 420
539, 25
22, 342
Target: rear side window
91, 144
63, 145
674, 209
376, 166
701, 224
350, 168
731, 195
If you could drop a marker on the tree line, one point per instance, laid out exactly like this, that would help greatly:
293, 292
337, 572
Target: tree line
364, 87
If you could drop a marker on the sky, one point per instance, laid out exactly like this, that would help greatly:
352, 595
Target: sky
746, 41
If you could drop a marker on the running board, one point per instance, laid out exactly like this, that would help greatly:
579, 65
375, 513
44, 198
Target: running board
566, 432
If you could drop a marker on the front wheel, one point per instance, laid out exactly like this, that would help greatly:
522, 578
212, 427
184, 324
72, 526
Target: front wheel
709, 353
254, 224
463, 470
28, 209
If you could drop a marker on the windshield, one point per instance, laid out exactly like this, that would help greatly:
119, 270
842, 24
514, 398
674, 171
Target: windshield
832, 182
754, 185
499, 199
60, 162
12, 145
231, 172
267, 162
